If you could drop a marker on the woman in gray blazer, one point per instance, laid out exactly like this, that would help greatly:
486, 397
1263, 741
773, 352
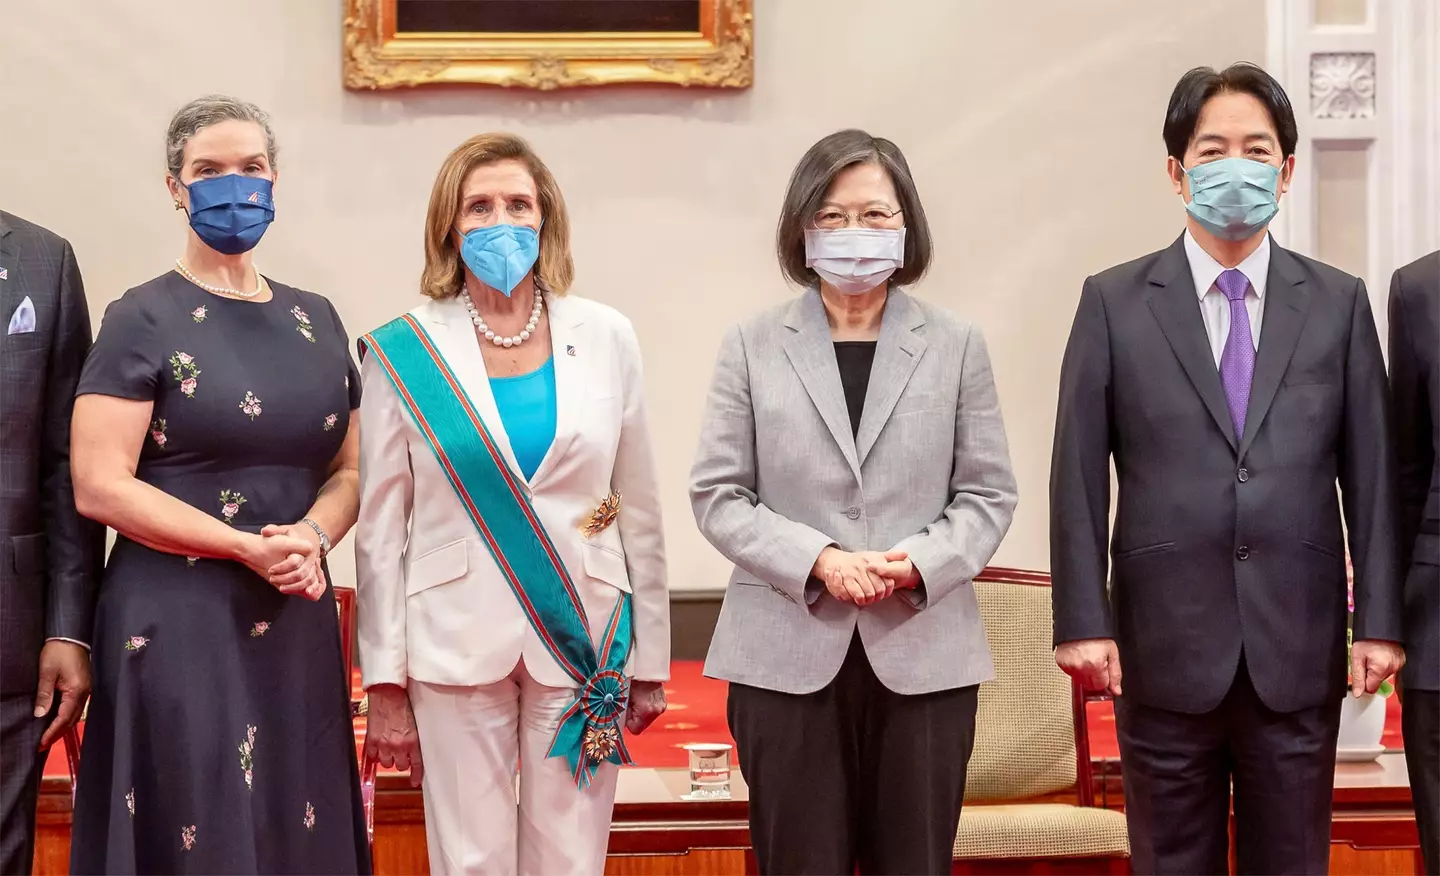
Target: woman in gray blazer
853, 466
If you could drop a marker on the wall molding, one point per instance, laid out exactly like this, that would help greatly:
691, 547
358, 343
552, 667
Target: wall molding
1377, 84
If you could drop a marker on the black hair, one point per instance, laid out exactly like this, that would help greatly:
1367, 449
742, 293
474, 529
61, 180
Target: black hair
1196, 88
811, 180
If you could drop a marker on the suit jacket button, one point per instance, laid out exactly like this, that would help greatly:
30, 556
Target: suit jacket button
1243, 474
853, 513
1242, 553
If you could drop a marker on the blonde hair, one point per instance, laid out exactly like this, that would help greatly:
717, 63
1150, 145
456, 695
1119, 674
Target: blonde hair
444, 273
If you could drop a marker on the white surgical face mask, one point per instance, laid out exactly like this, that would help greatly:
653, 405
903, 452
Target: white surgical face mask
855, 260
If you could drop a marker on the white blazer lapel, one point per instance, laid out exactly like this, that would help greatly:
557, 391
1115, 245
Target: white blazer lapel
455, 336
569, 380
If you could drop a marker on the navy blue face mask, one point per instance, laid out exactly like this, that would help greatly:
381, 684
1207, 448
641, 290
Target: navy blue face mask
230, 213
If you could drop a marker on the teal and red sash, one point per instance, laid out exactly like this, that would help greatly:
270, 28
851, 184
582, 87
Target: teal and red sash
500, 509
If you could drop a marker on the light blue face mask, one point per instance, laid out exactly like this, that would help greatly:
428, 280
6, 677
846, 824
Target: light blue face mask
1233, 198
501, 255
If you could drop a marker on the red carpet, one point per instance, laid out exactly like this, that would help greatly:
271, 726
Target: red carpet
697, 714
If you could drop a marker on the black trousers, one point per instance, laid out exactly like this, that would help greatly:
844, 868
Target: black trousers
1420, 723
854, 774
1178, 770
20, 766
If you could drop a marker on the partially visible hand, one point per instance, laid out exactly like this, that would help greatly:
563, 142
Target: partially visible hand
647, 702
390, 734
848, 577
1371, 662
261, 553
1095, 663
64, 667
299, 574
893, 566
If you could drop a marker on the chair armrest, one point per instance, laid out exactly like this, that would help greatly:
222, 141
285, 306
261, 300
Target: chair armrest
368, 767
72, 759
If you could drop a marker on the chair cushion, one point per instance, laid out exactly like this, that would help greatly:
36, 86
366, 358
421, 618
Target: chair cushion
1040, 830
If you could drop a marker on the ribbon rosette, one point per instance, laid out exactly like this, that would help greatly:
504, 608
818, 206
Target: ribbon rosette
589, 732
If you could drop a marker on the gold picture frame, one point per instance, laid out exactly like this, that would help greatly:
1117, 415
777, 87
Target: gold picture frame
720, 54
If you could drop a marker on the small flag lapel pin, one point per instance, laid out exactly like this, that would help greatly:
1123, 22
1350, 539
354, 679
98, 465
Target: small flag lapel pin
569, 349
4, 273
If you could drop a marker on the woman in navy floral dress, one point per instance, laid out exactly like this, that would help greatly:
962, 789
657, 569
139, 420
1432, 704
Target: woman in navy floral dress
213, 433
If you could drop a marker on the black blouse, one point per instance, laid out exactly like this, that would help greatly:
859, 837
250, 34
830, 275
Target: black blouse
855, 359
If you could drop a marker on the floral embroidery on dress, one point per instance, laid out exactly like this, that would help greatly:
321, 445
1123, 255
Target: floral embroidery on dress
330, 421
130, 802
135, 643
187, 837
302, 323
251, 405
230, 502
247, 751
157, 432
260, 629
309, 817
199, 313
185, 370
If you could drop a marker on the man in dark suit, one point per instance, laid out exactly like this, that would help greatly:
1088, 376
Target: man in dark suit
1232, 382
49, 555
1415, 388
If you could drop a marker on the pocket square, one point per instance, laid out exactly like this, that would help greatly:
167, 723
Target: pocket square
23, 320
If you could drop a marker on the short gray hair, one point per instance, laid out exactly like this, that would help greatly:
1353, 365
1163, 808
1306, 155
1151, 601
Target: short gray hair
812, 179
203, 112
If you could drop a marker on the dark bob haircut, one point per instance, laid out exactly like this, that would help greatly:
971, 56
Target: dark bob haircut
1196, 88
812, 179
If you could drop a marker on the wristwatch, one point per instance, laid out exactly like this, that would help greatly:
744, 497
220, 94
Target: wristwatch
324, 539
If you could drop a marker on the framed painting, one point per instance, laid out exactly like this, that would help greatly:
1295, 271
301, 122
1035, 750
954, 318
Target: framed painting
547, 44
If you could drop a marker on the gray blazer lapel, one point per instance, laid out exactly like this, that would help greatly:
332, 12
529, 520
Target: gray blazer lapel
812, 354
896, 355
1286, 306
1176, 305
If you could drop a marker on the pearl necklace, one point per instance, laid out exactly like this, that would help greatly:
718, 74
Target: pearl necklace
221, 290
489, 333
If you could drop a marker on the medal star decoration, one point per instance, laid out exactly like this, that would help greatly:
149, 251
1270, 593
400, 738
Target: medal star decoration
601, 742
603, 516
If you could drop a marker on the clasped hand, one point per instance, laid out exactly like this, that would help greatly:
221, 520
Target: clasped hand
864, 577
288, 556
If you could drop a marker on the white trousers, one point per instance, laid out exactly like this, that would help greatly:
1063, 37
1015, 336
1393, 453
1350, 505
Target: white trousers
472, 741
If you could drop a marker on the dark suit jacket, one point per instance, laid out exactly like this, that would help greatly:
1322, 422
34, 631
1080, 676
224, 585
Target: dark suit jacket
1222, 544
49, 555
1415, 388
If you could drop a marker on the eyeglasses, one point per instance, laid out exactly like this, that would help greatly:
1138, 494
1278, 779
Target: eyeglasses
830, 218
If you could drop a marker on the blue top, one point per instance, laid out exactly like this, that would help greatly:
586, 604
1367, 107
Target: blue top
527, 408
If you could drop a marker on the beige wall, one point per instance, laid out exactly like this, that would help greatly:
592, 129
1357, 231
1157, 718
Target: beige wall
1033, 127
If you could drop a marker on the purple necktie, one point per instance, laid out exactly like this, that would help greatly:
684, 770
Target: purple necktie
1237, 361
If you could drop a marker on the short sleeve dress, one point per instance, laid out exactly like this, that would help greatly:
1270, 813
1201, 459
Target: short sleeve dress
219, 736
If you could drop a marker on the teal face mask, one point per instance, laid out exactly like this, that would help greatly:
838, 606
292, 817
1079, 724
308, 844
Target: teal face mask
1233, 198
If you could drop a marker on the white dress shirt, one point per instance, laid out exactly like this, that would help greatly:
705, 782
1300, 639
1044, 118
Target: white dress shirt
1214, 307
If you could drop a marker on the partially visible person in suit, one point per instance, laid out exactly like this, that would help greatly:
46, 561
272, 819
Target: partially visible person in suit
853, 466
1415, 390
49, 555
513, 608
1232, 382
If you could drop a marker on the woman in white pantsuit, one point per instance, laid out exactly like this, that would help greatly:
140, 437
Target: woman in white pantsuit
509, 513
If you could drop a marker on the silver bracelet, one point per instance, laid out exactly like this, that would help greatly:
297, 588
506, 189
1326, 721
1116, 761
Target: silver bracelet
324, 539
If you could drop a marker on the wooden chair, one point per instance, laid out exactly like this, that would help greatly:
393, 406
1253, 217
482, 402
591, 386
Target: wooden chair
345, 606
1029, 799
